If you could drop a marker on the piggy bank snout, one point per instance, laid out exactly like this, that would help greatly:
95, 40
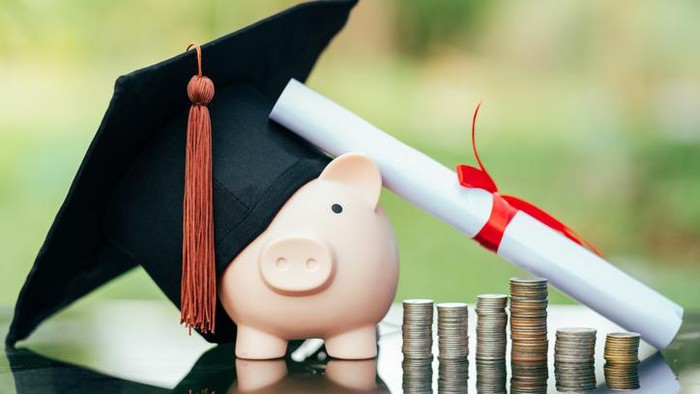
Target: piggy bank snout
297, 265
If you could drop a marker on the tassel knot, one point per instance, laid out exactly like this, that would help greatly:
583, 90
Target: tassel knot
200, 90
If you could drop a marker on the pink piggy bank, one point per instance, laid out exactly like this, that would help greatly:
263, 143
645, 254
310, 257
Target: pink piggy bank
326, 267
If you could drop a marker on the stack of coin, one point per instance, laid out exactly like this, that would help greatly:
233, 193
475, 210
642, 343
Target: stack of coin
491, 377
574, 352
453, 375
528, 330
621, 360
452, 331
417, 329
417, 346
491, 327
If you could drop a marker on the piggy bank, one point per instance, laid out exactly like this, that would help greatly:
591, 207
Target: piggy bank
326, 267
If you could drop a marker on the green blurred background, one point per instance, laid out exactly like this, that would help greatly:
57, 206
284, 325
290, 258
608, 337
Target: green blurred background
591, 110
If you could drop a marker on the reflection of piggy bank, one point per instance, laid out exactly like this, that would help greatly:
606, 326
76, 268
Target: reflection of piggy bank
338, 376
326, 267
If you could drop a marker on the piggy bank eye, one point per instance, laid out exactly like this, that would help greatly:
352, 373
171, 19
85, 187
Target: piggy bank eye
337, 208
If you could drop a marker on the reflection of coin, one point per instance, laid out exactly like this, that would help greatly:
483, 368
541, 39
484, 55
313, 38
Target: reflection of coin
453, 375
491, 376
417, 375
529, 377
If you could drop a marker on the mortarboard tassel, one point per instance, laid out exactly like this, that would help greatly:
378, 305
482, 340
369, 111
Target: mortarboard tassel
198, 288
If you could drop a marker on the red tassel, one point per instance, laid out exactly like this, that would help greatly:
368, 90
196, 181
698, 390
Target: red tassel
198, 288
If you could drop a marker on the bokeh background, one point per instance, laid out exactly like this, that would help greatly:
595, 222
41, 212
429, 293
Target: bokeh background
591, 110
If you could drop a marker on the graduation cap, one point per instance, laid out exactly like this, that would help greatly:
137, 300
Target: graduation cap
171, 146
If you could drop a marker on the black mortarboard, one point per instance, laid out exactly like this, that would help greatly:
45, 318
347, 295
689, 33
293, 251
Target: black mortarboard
125, 205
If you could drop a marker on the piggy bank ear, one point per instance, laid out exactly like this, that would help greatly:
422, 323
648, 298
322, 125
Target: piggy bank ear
358, 171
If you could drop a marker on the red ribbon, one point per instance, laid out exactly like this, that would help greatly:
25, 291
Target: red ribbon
505, 207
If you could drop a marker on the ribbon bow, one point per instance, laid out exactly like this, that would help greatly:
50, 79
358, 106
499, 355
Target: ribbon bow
505, 207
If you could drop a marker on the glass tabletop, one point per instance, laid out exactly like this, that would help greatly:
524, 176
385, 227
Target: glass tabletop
137, 346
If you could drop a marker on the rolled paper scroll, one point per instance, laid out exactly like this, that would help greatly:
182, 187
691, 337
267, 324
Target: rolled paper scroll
526, 242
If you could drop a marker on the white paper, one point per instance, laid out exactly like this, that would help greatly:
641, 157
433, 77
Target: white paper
526, 242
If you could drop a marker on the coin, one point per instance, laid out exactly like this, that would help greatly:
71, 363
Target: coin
528, 331
574, 359
452, 330
621, 360
491, 339
417, 329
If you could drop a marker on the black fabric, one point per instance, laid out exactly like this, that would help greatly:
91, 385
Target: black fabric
124, 206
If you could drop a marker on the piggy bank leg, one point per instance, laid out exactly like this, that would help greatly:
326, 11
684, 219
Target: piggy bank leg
254, 344
353, 345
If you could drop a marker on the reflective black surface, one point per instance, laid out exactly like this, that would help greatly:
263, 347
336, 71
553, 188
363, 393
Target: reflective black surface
213, 373
137, 347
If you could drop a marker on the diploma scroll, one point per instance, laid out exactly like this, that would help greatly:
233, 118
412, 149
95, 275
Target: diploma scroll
526, 242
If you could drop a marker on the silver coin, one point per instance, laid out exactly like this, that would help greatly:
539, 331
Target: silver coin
491, 326
417, 329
